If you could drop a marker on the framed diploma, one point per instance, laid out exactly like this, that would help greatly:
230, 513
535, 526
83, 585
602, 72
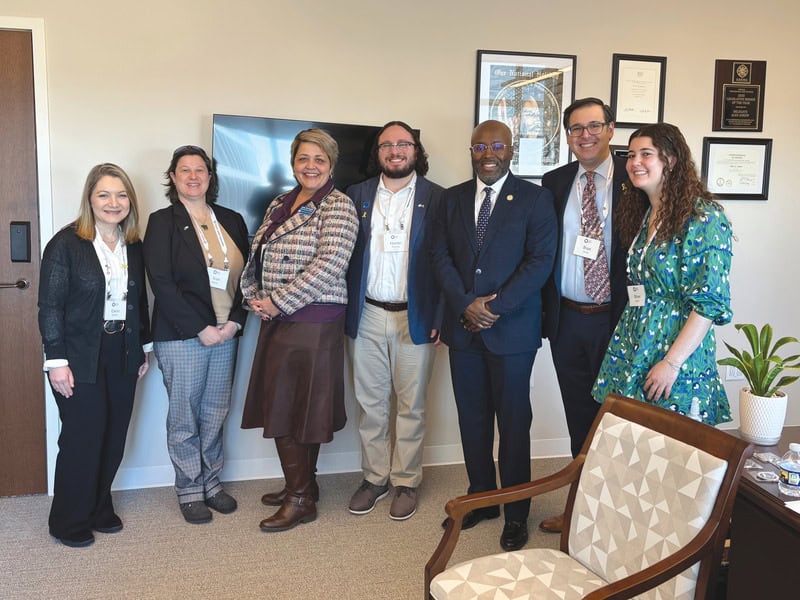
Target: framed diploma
618, 150
737, 168
739, 95
528, 92
637, 89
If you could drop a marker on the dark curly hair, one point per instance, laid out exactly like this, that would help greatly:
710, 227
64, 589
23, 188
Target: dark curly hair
681, 188
421, 163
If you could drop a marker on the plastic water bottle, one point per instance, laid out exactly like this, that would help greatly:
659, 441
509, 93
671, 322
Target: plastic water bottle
789, 472
694, 410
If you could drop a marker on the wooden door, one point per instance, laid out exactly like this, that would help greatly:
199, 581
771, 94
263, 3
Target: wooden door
23, 457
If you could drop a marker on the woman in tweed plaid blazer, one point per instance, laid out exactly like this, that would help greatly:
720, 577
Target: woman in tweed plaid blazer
295, 281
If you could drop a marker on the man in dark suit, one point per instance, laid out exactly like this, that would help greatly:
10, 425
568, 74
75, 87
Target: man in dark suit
393, 316
580, 316
492, 252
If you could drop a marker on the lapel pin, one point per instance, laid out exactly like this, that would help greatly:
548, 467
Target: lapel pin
364, 215
185, 227
420, 206
510, 197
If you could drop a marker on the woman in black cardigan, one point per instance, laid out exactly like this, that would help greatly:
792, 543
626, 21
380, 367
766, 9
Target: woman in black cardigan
93, 317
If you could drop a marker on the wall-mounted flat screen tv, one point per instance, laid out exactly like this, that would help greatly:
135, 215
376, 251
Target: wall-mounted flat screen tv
254, 163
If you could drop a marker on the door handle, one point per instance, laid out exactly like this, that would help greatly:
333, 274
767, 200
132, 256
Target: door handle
20, 284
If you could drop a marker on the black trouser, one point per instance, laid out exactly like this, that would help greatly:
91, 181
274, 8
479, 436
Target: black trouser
578, 353
94, 425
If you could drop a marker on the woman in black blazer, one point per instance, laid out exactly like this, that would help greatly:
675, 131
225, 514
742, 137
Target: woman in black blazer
194, 251
93, 317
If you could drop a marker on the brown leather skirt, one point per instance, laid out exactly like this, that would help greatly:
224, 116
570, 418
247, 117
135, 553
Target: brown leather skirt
297, 381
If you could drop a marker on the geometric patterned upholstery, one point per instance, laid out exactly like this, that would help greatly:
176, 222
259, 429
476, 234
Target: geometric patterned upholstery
641, 496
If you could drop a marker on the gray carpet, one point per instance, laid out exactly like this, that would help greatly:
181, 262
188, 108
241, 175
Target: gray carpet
158, 555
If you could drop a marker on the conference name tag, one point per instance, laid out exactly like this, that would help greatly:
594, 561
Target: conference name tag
394, 241
636, 295
218, 278
114, 310
587, 247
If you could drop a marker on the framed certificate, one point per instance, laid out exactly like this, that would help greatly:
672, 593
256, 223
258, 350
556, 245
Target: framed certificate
637, 89
737, 168
528, 92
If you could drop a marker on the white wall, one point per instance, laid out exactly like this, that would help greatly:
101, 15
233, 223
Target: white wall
128, 82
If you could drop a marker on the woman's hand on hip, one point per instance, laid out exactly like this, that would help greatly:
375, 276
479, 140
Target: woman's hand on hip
62, 380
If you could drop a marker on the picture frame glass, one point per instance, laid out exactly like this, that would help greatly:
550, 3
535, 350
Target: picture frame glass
528, 92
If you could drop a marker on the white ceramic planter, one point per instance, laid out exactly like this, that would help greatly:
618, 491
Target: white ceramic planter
761, 419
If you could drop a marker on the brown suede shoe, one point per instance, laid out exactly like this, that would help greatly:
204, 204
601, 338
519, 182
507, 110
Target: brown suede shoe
553, 524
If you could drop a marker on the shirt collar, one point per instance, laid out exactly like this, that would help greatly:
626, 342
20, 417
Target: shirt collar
496, 186
412, 183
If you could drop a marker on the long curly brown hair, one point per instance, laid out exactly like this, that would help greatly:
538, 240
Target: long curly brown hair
681, 188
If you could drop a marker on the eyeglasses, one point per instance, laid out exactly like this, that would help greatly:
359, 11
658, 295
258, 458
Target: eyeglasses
593, 128
386, 146
481, 148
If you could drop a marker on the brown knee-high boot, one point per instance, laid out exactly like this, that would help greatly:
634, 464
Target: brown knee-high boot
298, 505
277, 498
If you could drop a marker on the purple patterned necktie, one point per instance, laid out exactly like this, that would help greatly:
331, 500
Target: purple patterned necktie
595, 271
483, 216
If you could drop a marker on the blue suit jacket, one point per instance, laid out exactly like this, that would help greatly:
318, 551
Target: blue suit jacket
559, 182
515, 261
424, 297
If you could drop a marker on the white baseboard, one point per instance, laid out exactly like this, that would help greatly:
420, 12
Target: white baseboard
336, 462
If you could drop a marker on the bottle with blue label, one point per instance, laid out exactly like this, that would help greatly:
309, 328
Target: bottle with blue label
789, 472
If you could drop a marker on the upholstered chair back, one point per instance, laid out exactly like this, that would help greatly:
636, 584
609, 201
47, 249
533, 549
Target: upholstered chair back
641, 496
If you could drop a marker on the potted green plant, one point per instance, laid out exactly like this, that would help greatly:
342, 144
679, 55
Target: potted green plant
762, 404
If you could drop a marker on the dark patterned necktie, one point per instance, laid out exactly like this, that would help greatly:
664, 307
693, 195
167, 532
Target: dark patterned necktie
483, 216
595, 271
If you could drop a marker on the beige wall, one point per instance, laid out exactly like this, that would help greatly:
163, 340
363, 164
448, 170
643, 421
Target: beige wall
128, 82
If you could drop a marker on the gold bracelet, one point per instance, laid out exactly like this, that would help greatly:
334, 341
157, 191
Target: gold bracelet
676, 367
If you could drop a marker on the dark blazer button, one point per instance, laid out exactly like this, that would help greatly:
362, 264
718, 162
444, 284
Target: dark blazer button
131, 283
478, 271
130, 306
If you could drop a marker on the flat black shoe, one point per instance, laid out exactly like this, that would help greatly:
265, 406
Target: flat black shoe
514, 536
113, 524
79, 539
474, 517
195, 512
222, 502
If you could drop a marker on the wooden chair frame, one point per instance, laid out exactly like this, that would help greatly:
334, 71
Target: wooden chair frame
705, 547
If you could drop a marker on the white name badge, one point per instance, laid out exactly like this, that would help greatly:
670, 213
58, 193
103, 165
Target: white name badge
114, 310
395, 241
587, 247
636, 295
218, 278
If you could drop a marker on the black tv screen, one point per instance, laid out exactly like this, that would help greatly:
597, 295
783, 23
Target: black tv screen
254, 163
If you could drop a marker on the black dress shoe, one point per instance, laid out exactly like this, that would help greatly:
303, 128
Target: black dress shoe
514, 536
474, 517
79, 539
112, 524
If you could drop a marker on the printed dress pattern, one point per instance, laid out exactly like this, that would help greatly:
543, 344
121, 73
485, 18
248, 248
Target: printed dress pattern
689, 272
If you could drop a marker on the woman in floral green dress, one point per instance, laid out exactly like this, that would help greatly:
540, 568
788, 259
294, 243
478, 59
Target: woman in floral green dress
663, 350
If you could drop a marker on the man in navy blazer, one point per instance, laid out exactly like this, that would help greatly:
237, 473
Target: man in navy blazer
492, 253
578, 326
393, 316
